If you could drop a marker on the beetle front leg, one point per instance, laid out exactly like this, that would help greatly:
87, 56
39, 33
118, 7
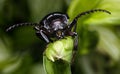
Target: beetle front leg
42, 36
73, 24
76, 42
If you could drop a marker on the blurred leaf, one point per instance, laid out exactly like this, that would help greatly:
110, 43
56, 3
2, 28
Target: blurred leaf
14, 64
78, 6
4, 52
88, 41
37, 69
8, 62
40, 8
109, 43
2, 3
24, 37
113, 19
25, 64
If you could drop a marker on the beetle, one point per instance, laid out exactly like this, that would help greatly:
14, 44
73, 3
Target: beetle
56, 26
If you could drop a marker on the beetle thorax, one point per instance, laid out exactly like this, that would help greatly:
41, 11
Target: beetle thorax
58, 25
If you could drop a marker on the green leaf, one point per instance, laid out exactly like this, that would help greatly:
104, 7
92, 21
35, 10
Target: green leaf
57, 67
61, 49
58, 55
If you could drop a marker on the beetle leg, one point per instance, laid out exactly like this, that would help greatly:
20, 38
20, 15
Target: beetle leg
76, 43
74, 51
73, 24
42, 36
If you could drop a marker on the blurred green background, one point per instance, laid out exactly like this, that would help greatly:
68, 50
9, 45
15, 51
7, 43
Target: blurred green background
99, 36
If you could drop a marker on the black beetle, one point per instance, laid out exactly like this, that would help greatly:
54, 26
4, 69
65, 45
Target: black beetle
56, 25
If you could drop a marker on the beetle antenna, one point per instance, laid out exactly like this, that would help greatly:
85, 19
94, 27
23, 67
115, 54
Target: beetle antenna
91, 11
73, 23
20, 24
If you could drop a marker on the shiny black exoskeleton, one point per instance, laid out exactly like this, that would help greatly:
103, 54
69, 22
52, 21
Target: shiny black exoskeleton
56, 25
